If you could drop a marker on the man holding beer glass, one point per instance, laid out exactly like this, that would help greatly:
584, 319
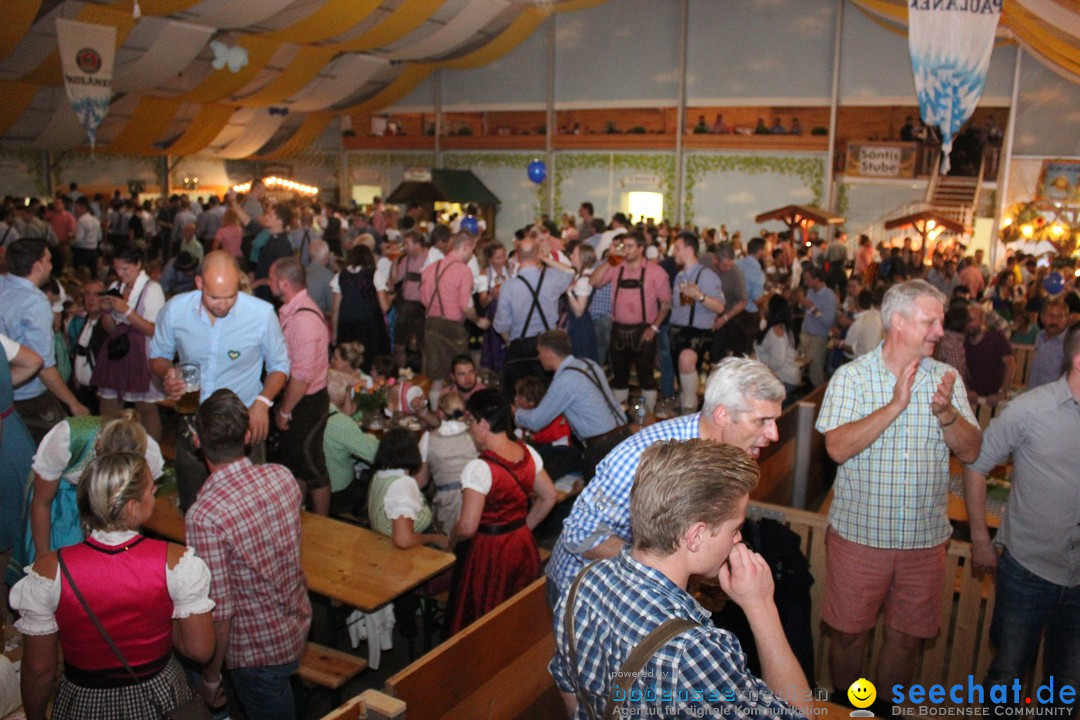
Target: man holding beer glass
641, 299
229, 337
701, 299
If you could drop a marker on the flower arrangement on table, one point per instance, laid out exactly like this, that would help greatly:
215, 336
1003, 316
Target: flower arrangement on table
370, 397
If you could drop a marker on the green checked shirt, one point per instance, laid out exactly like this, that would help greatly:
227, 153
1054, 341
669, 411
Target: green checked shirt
894, 494
343, 443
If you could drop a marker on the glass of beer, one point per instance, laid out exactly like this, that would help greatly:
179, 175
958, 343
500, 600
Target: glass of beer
684, 298
615, 254
189, 401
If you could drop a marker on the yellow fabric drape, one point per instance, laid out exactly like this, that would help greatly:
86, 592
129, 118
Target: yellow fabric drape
331, 19
1042, 37
408, 16
514, 34
880, 21
893, 11
19, 15
203, 129
308, 63
150, 119
50, 71
398, 88
224, 82
160, 7
17, 97
308, 132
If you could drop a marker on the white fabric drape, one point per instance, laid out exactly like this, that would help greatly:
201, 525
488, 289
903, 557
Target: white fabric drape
175, 45
340, 79
458, 31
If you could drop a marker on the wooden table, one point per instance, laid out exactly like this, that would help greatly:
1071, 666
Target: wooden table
345, 562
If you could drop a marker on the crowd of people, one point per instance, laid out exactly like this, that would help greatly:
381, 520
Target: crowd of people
442, 387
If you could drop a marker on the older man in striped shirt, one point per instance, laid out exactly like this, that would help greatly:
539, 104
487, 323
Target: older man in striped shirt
305, 405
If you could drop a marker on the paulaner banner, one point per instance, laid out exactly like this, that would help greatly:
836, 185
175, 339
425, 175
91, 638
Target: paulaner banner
86, 54
950, 42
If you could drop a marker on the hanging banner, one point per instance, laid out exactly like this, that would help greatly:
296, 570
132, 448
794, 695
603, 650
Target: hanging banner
950, 42
86, 53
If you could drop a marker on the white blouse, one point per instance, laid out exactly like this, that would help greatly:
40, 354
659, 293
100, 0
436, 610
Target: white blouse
54, 455
11, 348
150, 301
477, 474
446, 428
36, 597
403, 498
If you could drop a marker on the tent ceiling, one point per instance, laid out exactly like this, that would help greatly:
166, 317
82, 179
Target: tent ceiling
318, 59
312, 58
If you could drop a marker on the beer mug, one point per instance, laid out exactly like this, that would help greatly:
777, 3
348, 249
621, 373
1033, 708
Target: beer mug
615, 254
189, 401
684, 298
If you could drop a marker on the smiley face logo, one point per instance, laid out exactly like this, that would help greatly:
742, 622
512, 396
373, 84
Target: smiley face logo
862, 693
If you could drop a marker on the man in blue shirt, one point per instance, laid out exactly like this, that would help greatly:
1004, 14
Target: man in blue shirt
231, 337
528, 305
27, 318
742, 403
1048, 360
689, 501
701, 299
580, 391
820, 303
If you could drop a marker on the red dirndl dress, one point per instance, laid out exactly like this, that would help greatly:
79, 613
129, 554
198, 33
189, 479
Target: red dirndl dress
501, 558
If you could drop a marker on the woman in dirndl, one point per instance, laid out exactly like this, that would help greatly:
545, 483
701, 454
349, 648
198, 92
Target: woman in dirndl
51, 509
505, 495
496, 273
131, 308
149, 596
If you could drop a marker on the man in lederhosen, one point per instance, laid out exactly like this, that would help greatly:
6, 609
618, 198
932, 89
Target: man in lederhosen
701, 299
528, 305
409, 319
446, 291
641, 299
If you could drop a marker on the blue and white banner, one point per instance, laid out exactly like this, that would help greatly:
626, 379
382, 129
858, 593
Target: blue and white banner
86, 55
950, 42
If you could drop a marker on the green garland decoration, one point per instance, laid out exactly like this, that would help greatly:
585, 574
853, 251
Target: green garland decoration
810, 169
661, 164
842, 199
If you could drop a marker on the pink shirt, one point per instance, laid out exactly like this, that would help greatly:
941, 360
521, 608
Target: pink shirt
627, 301
454, 291
307, 339
973, 278
63, 224
231, 238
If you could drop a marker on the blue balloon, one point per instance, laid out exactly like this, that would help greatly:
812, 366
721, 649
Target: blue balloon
537, 171
468, 224
1054, 283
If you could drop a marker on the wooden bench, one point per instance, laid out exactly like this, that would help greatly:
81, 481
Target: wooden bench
329, 668
369, 705
495, 668
1023, 355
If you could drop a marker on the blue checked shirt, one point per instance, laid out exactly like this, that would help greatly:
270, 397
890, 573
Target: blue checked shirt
699, 673
27, 319
894, 494
755, 280
231, 352
588, 408
603, 508
601, 306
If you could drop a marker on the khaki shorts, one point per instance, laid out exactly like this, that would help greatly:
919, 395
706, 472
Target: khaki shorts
860, 581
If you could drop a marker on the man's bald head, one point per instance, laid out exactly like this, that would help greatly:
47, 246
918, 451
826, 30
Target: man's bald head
219, 282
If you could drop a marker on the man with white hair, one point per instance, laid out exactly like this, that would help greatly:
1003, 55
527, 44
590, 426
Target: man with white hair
742, 403
890, 419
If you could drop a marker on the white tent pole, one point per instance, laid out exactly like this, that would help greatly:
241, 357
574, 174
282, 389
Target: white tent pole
1006, 164
830, 189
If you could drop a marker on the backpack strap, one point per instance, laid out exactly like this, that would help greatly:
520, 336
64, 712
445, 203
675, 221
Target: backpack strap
634, 662
641, 654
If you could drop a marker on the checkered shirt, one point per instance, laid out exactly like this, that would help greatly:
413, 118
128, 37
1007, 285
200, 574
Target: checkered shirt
603, 508
600, 305
306, 338
701, 672
245, 524
894, 494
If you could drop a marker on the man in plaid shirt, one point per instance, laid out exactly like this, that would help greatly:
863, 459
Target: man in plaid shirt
890, 420
245, 524
686, 509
